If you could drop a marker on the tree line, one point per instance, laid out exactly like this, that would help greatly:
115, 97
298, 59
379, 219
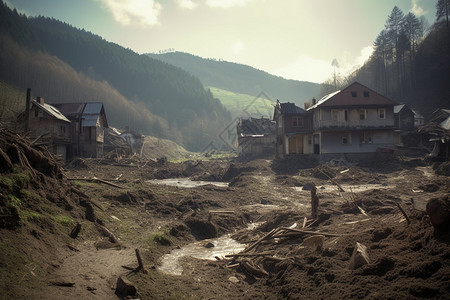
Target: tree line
410, 61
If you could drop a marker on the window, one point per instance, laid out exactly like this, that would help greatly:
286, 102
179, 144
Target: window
347, 139
354, 94
363, 114
366, 138
346, 115
366, 94
334, 115
382, 113
297, 122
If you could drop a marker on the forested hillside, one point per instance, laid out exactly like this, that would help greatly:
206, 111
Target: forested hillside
64, 64
410, 64
241, 78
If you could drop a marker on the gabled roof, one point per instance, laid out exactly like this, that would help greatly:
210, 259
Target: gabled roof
344, 98
51, 110
291, 109
89, 112
398, 108
70, 110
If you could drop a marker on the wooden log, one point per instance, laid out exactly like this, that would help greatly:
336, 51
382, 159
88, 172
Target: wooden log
333, 181
304, 222
112, 238
310, 232
249, 254
94, 179
403, 212
251, 269
272, 232
75, 231
72, 248
140, 262
314, 201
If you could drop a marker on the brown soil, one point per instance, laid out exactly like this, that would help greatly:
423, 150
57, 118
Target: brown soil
41, 203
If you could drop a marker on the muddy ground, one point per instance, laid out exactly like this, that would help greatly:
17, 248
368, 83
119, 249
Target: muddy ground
407, 259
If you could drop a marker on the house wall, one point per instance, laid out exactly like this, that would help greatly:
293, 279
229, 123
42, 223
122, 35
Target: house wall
255, 146
289, 123
350, 117
332, 142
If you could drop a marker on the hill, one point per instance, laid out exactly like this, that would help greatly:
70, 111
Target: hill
65, 64
244, 106
240, 78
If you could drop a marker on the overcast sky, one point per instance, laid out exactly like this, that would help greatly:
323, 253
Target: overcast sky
295, 39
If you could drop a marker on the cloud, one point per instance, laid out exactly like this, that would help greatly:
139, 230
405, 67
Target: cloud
417, 9
226, 3
306, 68
141, 13
189, 4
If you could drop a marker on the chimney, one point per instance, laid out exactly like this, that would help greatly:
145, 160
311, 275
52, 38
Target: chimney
40, 100
313, 101
27, 109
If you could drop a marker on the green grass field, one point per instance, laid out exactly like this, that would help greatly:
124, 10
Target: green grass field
242, 105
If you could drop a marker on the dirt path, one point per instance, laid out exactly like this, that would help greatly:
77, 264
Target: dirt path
93, 272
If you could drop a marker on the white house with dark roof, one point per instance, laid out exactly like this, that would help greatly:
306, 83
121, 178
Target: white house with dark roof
355, 119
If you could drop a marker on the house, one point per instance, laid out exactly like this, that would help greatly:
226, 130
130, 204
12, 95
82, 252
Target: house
133, 139
419, 120
255, 136
47, 126
404, 117
355, 119
404, 121
293, 130
88, 121
437, 132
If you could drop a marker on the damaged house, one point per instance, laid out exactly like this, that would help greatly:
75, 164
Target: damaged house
66, 129
294, 130
355, 119
256, 136
47, 126
88, 121
437, 131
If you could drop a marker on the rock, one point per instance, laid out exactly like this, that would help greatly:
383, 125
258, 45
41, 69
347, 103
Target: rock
233, 279
124, 287
209, 245
359, 257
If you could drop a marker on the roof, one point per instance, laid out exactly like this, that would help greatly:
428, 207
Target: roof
89, 112
51, 111
398, 108
291, 109
93, 108
70, 109
345, 98
254, 126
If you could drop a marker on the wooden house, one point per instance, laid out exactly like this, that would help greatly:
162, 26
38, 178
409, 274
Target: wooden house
47, 126
88, 121
256, 136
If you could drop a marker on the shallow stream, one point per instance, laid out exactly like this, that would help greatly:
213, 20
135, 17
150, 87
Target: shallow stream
186, 182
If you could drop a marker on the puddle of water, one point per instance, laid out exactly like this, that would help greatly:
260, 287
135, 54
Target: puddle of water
348, 188
224, 245
186, 182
